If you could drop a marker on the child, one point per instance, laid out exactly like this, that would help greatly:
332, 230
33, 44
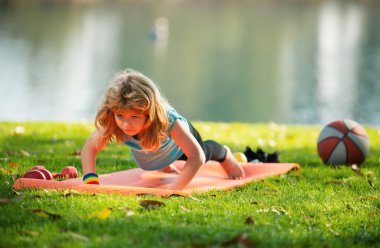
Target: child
135, 113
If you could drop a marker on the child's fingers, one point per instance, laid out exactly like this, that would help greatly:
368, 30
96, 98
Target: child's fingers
236, 177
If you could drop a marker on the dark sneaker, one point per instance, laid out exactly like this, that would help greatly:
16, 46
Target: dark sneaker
261, 156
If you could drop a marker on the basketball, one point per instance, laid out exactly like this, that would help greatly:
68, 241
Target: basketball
343, 142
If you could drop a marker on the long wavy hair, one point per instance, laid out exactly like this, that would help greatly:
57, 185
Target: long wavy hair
132, 90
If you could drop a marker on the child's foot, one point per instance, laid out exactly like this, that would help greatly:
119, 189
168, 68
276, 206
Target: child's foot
170, 169
231, 166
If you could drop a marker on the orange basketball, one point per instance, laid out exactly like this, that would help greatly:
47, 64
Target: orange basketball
343, 142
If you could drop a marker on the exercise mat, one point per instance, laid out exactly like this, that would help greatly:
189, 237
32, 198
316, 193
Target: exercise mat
211, 176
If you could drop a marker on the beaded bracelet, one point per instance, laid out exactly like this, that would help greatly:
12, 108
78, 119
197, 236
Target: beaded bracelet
91, 178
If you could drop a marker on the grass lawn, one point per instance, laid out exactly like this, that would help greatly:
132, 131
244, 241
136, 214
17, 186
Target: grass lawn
317, 206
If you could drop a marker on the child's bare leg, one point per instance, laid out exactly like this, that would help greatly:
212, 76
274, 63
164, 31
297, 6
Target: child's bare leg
171, 169
231, 166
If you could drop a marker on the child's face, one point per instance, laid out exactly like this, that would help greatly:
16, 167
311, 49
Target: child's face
130, 121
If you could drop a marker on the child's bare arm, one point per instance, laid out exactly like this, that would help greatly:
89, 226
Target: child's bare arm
89, 153
193, 151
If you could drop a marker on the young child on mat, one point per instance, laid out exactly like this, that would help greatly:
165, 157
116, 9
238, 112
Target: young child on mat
135, 113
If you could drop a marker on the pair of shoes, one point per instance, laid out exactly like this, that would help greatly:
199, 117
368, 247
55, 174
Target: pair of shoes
261, 156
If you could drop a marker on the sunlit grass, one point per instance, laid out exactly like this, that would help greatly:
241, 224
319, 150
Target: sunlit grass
317, 206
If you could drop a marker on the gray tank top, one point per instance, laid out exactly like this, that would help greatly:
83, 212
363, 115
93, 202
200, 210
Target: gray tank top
167, 153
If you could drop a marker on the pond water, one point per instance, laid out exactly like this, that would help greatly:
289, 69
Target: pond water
291, 62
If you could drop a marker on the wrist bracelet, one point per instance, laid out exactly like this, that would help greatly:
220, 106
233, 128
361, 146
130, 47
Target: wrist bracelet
91, 178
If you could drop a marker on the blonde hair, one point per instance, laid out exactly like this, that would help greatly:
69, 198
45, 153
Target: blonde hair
132, 90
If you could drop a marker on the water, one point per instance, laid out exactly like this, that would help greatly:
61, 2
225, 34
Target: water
290, 62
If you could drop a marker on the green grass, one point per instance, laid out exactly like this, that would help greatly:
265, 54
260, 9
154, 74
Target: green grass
317, 206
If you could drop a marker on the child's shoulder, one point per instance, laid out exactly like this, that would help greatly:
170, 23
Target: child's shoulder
173, 117
172, 114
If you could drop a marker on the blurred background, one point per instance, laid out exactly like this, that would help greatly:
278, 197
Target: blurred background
284, 61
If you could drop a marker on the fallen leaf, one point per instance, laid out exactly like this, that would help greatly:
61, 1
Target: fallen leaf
45, 214
249, 220
102, 214
172, 195
151, 204
16, 192
371, 183
194, 198
356, 168
66, 192
329, 228
146, 194
185, 209
70, 192
13, 165
368, 198
283, 211
241, 239
273, 210
24, 153
15, 176
76, 153
128, 211
36, 196
307, 218
4, 201
78, 236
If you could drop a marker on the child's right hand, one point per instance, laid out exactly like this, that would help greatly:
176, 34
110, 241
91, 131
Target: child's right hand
88, 154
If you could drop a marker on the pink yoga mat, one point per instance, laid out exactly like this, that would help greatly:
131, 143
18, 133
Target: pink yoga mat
211, 176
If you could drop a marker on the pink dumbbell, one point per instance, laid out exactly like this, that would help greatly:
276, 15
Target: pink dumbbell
39, 172
67, 172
